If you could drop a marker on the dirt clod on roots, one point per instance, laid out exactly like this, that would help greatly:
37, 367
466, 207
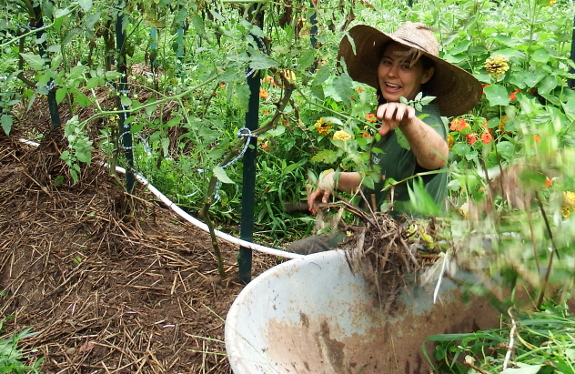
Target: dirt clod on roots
385, 250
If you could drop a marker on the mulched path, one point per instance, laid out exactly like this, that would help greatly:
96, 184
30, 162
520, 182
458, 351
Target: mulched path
110, 282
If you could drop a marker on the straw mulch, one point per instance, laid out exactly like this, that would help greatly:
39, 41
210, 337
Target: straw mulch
111, 283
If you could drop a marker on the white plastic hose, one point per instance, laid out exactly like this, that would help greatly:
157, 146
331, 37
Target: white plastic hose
179, 211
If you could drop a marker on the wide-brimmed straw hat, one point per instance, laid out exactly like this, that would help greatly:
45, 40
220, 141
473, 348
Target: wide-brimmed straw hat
456, 91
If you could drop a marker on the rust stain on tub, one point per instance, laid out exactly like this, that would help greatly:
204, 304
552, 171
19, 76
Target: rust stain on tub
317, 344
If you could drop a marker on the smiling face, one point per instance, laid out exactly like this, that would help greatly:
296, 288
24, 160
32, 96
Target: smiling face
398, 75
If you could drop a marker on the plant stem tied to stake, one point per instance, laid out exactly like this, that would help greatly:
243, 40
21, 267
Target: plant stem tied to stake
236, 149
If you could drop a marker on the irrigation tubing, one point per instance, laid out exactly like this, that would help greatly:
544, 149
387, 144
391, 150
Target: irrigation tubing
179, 211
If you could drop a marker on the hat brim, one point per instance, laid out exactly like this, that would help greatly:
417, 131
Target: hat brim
456, 91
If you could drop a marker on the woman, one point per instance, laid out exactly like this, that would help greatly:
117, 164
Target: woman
400, 64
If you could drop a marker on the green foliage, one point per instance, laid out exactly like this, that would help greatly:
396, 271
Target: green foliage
80, 148
11, 356
542, 343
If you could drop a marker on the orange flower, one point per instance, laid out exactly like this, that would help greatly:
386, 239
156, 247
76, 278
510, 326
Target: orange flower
264, 94
266, 112
359, 89
486, 137
512, 95
483, 86
365, 134
537, 138
548, 182
371, 117
268, 79
458, 124
472, 138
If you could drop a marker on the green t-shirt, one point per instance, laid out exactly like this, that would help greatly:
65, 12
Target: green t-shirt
399, 163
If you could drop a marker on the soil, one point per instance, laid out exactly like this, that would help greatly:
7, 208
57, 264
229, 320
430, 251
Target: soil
109, 282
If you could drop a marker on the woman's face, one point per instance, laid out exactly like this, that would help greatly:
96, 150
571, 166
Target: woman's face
398, 77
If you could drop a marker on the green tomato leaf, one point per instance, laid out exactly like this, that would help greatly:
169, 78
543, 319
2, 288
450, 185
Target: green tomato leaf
317, 91
85, 4
35, 61
126, 101
92, 82
84, 157
243, 94
220, 173
261, 61
306, 59
61, 13
76, 71
6, 123
321, 76
343, 86
60, 94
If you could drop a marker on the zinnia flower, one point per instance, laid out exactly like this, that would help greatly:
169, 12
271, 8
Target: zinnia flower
568, 203
341, 135
501, 125
450, 141
321, 127
497, 65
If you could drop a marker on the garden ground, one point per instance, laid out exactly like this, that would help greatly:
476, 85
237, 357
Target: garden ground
110, 282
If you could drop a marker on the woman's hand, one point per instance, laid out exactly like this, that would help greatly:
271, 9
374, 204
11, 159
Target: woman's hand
323, 191
428, 146
394, 115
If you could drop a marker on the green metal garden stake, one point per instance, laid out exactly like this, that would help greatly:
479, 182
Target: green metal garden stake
249, 179
38, 22
123, 90
249, 176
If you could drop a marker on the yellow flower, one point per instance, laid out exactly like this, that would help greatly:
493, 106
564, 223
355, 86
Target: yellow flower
551, 2
321, 127
341, 135
450, 141
568, 203
497, 65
